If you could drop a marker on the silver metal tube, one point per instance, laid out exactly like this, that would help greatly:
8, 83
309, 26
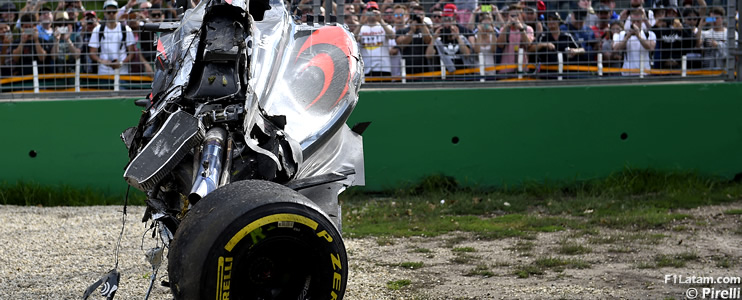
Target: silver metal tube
210, 168
227, 164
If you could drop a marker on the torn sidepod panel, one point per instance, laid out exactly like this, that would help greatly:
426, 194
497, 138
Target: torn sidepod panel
177, 136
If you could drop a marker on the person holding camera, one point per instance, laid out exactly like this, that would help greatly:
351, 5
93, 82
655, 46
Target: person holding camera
412, 40
28, 47
636, 43
112, 43
514, 35
68, 43
374, 35
450, 43
715, 43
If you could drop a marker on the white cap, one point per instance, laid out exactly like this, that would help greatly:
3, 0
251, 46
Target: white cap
110, 3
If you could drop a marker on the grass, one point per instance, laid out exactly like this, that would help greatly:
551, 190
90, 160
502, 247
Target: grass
398, 284
667, 260
628, 200
521, 246
25, 193
384, 241
541, 265
421, 250
411, 265
463, 258
480, 270
733, 212
464, 249
572, 248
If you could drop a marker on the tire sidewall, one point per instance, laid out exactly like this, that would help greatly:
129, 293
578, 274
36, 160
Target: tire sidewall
222, 224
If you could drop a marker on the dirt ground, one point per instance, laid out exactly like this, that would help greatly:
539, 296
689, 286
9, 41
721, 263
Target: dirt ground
622, 264
57, 252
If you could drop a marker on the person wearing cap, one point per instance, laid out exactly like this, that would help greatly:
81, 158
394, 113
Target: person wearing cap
636, 43
554, 41
111, 52
68, 43
8, 14
602, 27
374, 36
89, 24
583, 35
514, 36
671, 38
450, 43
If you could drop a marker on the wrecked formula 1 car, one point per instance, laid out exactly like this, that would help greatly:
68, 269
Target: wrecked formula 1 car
243, 150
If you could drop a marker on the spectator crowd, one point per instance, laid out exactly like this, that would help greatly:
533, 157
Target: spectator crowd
533, 37
396, 37
56, 36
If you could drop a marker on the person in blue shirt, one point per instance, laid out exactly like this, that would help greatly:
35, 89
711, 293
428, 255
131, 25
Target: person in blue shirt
583, 35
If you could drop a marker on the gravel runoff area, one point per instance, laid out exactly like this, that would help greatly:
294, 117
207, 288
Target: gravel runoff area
56, 252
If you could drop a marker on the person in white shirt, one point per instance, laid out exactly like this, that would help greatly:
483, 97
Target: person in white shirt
716, 46
636, 43
110, 52
373, 36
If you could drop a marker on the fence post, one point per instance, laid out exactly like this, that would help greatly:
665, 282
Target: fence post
443, 69
520, 63
77, 75
35, 67
560, 60
481, 66
403, 66
116, 77
684, 66
641, 66
600, 64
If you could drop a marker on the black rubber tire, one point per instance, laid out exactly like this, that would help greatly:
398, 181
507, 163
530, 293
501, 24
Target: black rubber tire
257, 240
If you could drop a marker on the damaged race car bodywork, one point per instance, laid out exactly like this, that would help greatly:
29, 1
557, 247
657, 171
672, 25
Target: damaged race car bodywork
243, 150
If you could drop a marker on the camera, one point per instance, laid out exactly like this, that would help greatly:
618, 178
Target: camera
417, 18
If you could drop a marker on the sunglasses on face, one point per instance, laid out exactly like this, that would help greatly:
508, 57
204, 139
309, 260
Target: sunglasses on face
156, 15
436, 17
398, 15
111, 12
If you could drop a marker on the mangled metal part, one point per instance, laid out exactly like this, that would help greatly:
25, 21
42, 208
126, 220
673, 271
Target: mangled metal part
109, 284
175, 138
210, 169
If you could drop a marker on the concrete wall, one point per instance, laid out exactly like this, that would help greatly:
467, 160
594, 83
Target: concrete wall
483, 137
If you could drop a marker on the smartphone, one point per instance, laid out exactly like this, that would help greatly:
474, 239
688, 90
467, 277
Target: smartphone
710, 19
486, 8
28, 30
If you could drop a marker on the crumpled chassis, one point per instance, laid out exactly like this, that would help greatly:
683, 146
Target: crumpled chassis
247, 118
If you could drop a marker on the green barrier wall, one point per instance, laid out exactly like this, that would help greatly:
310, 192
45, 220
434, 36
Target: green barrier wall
483, 137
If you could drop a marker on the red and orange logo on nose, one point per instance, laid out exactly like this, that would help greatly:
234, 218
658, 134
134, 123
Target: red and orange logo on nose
328, 49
